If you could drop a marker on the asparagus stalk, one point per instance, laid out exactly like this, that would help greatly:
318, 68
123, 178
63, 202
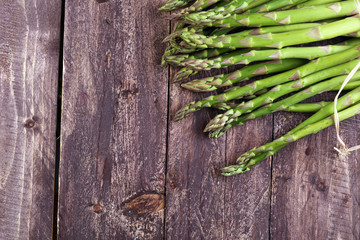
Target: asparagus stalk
274, 5
314, 3
299, 107
185, 72
213, 83
243, 74
306, 107
309, 14
234, 6
294, 74
277, 40
199, 5
343, 103
252, 5
173, 5
170, 50
242, 57
278, 106
280, 90
177, 60
256, 155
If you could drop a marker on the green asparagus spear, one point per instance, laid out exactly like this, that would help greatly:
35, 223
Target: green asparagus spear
306, 107
294, 74
300, 96
309, 14
241, 57
276, 40
243, 74
314, 3
247, 160
274, 5
174, 4
322, 119
235, 6
280, 90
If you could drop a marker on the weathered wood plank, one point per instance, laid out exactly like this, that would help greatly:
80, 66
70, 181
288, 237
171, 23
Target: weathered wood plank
195, 192
29, 56
247, 196
200, 203
315, 191
113, 121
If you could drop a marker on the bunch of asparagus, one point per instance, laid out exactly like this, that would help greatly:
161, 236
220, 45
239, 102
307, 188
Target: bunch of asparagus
280, 40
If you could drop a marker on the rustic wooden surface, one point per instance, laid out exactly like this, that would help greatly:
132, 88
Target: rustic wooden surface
315, 192
201, 204
114, 121
127, 171
29, 56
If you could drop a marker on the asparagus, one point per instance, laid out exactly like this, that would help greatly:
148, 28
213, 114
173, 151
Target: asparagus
170, 50
256, 155
213, 83
256, 31
235, 6
243, 74
298, 107
302, 71
200, 5
180, 60
306, 107
314, 3
252, 5
280, 90
309, 14
241, 57
183, 47
173, 5
343, 103
195, 7
277, 40
177, 60
185, 72
274, 5
300, 96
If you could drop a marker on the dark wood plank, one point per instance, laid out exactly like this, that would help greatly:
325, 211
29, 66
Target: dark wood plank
247, 196
315, 191
113, 121
195, 192
200, 203
29, 56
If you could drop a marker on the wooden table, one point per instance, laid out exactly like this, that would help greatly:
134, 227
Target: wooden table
89, 149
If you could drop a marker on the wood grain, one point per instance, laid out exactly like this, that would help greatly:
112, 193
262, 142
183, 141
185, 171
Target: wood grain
200, 203
315, 191
113, 121
247, 196
195, 192
29, 55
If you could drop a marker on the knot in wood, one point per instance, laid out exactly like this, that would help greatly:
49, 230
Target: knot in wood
29, 123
